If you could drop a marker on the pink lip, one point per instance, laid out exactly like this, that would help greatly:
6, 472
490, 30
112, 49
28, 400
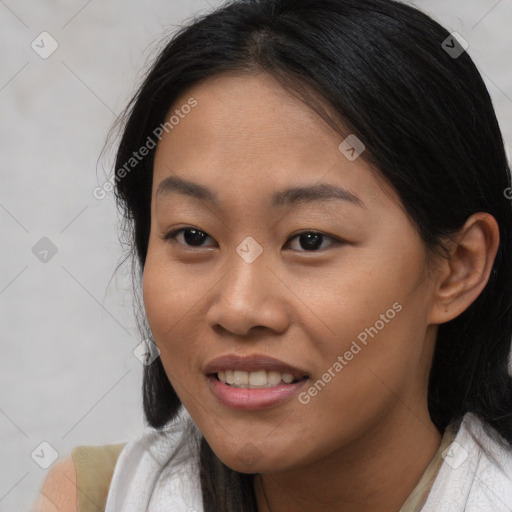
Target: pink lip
251, 399
252, 363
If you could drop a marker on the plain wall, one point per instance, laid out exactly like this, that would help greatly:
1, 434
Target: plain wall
68, 375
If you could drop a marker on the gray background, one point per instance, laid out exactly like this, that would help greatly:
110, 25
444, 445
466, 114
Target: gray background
68, 375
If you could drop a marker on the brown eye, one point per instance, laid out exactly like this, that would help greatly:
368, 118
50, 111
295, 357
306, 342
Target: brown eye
192, 237
311, 241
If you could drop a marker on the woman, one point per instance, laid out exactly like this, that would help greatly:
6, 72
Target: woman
316, 196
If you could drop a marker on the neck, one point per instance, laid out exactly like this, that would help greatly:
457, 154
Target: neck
376, 472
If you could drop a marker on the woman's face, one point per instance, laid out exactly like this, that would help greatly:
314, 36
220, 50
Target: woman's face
346, 307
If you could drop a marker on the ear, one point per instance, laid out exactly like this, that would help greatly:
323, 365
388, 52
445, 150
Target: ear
463, 275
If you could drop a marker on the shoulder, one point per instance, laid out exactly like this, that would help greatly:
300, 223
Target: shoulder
59, 490
476, 473
98, 458
484, 441
95, 467
76, 480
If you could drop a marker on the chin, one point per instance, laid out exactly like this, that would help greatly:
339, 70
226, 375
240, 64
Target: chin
249, 459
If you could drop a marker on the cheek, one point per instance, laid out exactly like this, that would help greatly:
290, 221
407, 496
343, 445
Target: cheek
166, 292
156, 299
376, 302
166, 309
375, 347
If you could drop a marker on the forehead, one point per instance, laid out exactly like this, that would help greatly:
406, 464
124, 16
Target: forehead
245, 114
247, 135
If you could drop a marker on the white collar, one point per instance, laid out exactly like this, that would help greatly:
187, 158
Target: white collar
476, 474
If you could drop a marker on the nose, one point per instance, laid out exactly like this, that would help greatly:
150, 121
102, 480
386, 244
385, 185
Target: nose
249, 296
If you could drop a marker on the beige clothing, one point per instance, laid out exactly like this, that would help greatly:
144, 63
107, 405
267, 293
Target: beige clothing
94, 470
418, 496
95, 467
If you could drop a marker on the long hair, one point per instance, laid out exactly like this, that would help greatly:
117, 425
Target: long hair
385, 72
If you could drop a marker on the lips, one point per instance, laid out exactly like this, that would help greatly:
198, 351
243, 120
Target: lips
253, 397
252, 363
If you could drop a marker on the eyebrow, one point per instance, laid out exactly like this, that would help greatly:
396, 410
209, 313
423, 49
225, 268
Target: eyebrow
290, 196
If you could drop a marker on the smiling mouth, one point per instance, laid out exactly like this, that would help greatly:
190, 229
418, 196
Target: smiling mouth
256, 379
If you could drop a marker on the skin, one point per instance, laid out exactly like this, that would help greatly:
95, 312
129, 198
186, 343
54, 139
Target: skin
363, 442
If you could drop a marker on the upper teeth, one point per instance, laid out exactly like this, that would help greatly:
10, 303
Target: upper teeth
259, 379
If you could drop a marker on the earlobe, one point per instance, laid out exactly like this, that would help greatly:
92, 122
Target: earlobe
464, 274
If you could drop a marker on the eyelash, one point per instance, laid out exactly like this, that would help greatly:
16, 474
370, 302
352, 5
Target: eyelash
171, 237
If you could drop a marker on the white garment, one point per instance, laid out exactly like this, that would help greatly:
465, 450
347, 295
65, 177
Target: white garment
476, 474
159, 472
